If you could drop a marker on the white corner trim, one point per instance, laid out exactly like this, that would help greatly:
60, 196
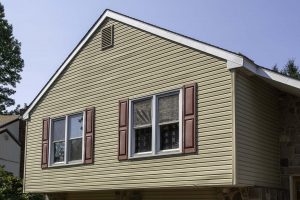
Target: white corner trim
234, 143
234, 59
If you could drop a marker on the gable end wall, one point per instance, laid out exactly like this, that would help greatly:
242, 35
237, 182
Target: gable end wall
139, 64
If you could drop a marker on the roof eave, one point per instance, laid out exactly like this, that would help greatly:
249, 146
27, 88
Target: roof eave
266, 73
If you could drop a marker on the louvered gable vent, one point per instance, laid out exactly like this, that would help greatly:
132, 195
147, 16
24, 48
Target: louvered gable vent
107, 37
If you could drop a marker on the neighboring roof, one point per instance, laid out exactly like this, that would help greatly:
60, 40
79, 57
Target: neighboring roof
234, 60
6, 119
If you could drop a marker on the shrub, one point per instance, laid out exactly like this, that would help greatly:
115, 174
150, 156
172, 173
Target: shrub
11, 188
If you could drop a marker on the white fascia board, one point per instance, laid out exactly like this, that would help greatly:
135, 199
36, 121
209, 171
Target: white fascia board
231, 58
61, 69
233, 65
64, 65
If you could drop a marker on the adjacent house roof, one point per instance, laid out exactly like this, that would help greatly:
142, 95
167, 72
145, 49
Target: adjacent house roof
6, 119
234, 60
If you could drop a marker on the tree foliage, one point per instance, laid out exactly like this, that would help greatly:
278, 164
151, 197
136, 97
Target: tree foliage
11, 63
11, 188
290, 69
17, 110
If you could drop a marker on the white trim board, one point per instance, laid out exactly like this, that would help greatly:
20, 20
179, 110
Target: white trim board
233, 60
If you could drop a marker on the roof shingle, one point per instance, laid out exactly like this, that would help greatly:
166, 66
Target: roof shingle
4, 119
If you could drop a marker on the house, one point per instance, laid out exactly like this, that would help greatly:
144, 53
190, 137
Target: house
12, 130
140, 112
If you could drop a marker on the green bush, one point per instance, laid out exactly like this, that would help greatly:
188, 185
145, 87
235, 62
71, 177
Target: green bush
11, 188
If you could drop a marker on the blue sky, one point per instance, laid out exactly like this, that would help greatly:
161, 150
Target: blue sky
266, 31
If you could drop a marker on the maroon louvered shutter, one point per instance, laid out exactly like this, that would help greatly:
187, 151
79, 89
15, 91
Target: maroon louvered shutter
123, 130
89, 135
45, 143
189, 118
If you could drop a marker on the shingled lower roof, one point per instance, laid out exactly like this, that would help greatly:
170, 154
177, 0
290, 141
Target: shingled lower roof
5, 119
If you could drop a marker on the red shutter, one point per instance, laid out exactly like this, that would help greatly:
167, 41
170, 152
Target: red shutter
89, 135
189, 118
123, 130
45, 143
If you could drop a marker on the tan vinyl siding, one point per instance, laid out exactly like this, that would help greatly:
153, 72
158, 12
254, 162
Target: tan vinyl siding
187, 194
257, 132
137, 65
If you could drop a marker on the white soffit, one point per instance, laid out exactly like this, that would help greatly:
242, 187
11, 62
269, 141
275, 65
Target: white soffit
269, 74
281, 82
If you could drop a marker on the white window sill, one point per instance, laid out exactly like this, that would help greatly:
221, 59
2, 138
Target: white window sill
159, 153
61, 164
169, 151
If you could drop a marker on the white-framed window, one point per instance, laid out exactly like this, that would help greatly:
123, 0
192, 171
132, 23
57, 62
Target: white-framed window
155, 125
66, 139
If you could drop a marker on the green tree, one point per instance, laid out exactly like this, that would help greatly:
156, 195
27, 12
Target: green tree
17, 110
11, 63
290, 69
275, 68
11, 188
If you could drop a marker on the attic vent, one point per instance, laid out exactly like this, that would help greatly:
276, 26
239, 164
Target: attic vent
107, 37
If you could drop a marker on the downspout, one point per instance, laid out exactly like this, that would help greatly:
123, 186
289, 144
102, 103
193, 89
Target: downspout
22, 127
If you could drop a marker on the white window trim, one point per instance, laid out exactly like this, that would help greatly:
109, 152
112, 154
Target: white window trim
50, 154
155, 127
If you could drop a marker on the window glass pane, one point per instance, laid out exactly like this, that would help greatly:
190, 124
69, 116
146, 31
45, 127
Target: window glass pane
169, 136
75, 125
75, 149
168, 108
59, 151
142, 112
58, 129
143, 139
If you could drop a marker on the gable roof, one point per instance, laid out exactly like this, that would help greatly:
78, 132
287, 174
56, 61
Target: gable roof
234, 60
